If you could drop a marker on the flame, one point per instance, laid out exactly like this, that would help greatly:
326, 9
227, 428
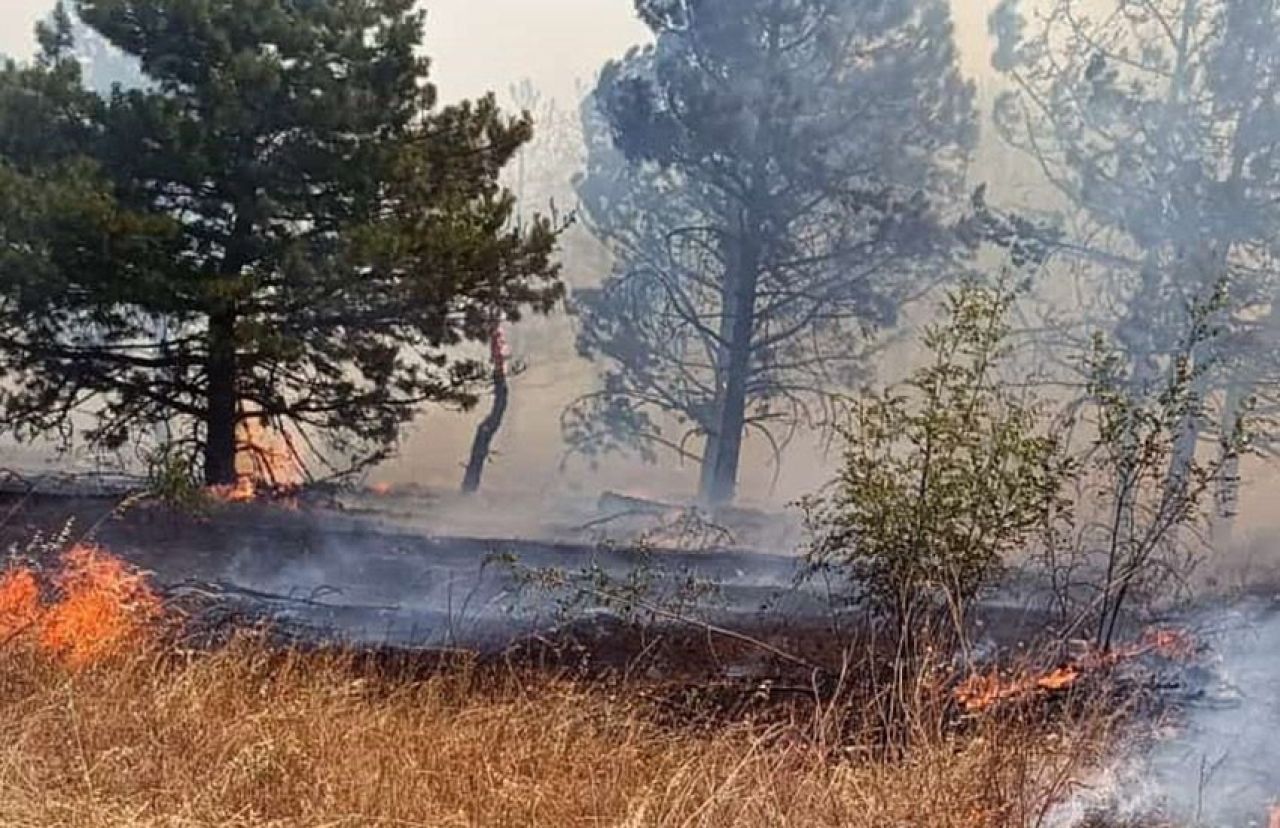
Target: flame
242, 491
101, 604
1062, 678
19, 602
984, 690
1273, 817
381, 489
264, 462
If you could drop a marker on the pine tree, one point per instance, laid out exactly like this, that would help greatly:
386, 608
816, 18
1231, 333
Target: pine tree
281, 226
772, 178
1159, 126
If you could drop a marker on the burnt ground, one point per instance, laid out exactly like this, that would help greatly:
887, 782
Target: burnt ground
368, 581
368, 575
380, 579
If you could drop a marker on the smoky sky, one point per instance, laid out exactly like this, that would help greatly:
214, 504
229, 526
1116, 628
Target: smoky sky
482, 45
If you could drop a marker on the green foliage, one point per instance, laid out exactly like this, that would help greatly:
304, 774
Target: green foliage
942, 478
279, 223
947, 478
1152, 479
173, 478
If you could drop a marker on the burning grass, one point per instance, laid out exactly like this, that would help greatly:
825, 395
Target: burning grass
248, 737
982, 691
102, 724
95, 606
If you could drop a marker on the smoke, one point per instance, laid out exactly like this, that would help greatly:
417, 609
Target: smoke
396, 573
1213, 764
557, 44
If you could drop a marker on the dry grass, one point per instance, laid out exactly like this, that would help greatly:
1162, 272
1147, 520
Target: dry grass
246, 737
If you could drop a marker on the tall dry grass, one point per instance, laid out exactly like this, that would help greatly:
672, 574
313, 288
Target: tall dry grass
249, 737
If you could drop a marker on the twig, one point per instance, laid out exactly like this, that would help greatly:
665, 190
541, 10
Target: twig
715, 629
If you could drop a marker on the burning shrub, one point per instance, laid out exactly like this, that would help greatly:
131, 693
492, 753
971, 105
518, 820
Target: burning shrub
100, 604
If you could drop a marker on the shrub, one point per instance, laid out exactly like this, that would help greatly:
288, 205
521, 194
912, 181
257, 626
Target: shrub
942, 477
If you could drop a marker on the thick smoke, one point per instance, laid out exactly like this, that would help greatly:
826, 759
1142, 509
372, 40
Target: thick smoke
1213, 763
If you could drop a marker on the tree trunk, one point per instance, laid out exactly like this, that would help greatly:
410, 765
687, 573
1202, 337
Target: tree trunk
482, 445
1227, 495
709, 454
220, 418
724, 452
723, 479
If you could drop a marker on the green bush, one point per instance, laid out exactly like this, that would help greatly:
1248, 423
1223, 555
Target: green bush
174, 480
942, 477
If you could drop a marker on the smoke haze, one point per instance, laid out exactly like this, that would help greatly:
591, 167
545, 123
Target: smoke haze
559, 45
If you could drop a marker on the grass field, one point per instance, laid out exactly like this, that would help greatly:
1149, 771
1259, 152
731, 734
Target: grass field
246, 736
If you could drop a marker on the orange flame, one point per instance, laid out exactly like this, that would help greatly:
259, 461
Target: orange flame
19, 602
264, 461
102, 603
982, 691
381, 489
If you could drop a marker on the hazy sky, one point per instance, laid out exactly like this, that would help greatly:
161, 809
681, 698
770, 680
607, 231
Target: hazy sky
480, 45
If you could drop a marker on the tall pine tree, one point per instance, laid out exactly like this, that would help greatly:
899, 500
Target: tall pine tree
282, 225
1159, 125
771, 177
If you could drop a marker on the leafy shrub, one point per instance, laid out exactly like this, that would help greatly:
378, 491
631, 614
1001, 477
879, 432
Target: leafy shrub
173, 479
943, 477
1150, 476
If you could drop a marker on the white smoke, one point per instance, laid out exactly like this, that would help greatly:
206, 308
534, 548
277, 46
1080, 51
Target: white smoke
1216, 762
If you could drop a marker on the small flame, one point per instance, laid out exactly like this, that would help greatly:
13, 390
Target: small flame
1062, 678
982, 691
19, 602
264, 461
1273, 817
1172, 643
101, 604
381, 489
242, 491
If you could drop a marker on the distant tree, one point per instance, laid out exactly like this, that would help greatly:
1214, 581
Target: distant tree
103, 66
767, 177
1159, 122
283, 200
540, 176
